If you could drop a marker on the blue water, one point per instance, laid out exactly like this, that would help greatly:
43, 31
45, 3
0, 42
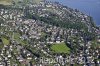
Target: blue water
90, 7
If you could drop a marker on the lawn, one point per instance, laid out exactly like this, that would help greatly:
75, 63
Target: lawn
60, 48
5, 2
16, 36
5, 41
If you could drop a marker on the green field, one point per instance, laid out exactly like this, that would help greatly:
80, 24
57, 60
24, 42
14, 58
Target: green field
5, 2
60, 48
5, 41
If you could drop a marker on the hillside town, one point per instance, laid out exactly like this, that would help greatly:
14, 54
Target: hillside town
27, 40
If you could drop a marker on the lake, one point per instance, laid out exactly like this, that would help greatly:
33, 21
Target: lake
90, 7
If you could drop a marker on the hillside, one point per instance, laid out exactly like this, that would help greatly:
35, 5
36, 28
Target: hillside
30, 32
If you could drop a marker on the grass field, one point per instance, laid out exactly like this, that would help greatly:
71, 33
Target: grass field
5, 41
60, 48
5, 2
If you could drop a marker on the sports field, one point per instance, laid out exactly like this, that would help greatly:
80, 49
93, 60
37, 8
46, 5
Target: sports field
60, 48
